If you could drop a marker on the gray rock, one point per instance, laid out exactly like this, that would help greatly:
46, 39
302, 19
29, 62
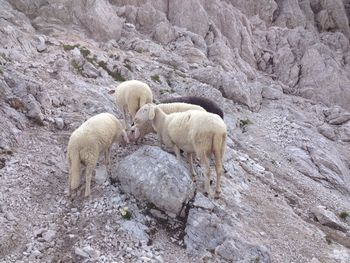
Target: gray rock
207, 231
80, 252
90, 71
42, 45
181, 14
59, 123
156, 176
164, 33
49, 235
327, 131
344, 132
328, 218
135, 229
272, 92
236, 251
203, 202
34, 111
97, 17
93, 253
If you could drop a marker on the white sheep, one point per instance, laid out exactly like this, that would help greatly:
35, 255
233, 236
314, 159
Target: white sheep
193, 131
94, 136
139, 130
131, 95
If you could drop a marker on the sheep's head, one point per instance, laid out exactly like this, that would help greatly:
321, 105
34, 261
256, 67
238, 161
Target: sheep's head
145, 113
123, 138
134, 133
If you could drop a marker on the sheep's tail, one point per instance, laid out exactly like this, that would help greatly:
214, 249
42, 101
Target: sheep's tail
219, 145
74, 170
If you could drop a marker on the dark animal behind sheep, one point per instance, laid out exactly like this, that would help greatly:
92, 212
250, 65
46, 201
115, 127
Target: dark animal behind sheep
205, 103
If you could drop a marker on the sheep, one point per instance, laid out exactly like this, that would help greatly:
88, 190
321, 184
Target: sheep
138, 131
131, 95
193, 131
94, 136
207, 104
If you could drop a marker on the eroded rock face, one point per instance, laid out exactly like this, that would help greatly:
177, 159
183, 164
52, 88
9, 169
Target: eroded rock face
279, 69
155, 176
207, 229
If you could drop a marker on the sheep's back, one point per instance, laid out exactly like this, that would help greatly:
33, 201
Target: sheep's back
169, 108
132, 89
186, 129
100, 129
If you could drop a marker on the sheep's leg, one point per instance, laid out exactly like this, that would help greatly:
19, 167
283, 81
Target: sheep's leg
160, 140
205, 164
124, 117
177, 152
88, 175
218, 168
108, 160
193, 172
69, 177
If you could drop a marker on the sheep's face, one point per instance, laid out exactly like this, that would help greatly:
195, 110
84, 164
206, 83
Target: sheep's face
134, 133
144, 114
124, 139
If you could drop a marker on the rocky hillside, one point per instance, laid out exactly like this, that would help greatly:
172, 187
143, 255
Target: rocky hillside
281, 72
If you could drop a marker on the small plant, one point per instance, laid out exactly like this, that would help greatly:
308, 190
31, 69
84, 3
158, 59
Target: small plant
103, 65
69, 47
128, 67
343, 215
328, 239
85, 52
155, 78
257, 260
76, 66
125, 213
244, 123
1, 72
116, 75
162, 91
273, 162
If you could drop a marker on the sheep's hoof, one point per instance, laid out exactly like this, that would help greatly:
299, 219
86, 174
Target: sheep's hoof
217, 195
194, 179
206, 194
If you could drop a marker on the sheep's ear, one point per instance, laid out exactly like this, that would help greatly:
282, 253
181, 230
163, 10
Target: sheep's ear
112, 91
125, 137
151, 113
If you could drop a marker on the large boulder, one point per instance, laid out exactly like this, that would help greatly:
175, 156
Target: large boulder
207, 229
155, 176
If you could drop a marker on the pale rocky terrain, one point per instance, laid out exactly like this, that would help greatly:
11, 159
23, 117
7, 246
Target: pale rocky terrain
280, 70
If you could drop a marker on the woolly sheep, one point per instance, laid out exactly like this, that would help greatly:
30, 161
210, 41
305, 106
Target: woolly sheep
193, 131
131, 95
139, 130
207, 104
94, 136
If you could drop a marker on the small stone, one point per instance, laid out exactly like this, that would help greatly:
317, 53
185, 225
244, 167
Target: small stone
49, 235
328, 218
39, 232
80, 252
41, 46
59, 123
36, 253
203, 202
91, 252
